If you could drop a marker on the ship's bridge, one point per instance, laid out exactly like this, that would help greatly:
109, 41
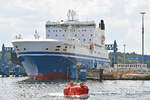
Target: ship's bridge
70, 22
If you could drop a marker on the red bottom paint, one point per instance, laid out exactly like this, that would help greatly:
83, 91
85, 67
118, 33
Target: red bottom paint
50, 76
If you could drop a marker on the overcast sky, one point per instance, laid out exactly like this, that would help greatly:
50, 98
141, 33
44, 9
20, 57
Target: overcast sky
122, 19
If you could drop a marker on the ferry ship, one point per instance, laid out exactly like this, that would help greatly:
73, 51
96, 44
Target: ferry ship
68, 44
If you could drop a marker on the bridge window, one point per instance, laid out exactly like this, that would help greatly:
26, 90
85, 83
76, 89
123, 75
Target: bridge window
65, 46
46, 49
64, 49
58, 46
24, 48
18, 49
56, 49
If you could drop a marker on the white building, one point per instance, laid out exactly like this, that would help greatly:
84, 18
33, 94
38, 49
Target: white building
130, 67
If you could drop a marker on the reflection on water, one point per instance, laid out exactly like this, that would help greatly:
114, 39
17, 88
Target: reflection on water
23, 89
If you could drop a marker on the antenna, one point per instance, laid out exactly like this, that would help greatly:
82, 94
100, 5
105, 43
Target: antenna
36, 35
71, 14
19, 36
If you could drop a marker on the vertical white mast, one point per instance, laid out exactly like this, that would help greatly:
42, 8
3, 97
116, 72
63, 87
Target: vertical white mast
71, 15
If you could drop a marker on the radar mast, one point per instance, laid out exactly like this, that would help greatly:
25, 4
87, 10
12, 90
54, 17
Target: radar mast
36, 35
71, 15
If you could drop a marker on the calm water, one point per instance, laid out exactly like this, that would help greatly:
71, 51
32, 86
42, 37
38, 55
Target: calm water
16, 89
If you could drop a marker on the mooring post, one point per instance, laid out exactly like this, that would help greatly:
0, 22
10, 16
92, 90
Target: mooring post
83, 74
77, 73
68, 74
100, 75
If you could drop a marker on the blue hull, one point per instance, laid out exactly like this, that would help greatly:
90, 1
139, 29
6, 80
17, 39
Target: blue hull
38, 64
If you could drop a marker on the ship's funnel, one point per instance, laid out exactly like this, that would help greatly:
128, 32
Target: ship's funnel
102, 25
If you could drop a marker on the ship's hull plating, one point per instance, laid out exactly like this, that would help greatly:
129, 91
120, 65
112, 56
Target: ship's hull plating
54, 65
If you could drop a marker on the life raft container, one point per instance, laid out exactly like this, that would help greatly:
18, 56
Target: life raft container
102, 37
77, 90
91, 46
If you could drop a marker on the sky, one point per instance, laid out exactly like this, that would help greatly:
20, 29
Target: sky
122, 18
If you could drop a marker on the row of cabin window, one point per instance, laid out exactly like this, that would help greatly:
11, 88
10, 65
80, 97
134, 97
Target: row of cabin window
74, 35
78, 39
66, 30
98, 53
66, 49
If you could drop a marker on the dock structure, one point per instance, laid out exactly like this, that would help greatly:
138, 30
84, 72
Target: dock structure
114, 48
13, 68
80, 72
87, 74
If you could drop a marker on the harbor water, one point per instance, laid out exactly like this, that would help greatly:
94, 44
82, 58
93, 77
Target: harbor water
21, 88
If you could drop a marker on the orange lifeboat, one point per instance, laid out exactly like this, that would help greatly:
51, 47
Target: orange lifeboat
74, 90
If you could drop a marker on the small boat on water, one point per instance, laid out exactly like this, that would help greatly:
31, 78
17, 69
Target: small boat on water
75, 90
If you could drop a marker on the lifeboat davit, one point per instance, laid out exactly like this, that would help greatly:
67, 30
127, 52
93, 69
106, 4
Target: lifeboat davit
74, 90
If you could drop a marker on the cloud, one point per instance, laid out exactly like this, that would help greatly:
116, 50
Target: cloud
133, 6
122, 18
